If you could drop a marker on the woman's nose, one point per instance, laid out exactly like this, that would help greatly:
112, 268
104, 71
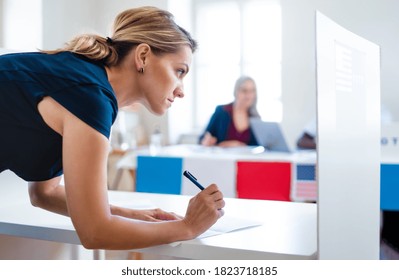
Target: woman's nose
179, 92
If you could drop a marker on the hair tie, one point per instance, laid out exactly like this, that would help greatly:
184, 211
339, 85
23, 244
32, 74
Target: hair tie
109, 40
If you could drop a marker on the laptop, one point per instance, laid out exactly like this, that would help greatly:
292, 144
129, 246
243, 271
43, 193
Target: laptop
269, 135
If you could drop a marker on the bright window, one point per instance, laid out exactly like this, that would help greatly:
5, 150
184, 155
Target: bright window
22, 24
237, 38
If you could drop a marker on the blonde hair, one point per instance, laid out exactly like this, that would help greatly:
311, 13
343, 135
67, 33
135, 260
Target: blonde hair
253, 111
149, 25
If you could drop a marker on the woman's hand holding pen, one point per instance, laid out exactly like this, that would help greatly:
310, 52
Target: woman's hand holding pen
204, 210
209, 140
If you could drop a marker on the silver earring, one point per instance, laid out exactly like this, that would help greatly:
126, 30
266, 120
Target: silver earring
141, 71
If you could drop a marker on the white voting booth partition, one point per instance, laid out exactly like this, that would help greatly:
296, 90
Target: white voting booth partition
348, 111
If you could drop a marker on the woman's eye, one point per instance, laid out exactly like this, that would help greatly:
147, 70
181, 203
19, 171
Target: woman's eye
181, 71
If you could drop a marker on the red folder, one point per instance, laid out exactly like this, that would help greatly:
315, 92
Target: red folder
264, 180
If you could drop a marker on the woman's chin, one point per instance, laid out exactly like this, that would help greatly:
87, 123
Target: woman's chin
157, 111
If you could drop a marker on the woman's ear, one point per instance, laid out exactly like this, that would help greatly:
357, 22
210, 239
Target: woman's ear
141, 56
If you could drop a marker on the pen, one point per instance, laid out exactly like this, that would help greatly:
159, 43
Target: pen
193, 179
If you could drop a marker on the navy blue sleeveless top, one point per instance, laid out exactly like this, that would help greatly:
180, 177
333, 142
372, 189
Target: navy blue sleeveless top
29, 147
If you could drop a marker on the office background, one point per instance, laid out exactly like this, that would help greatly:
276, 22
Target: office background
287, 95
50, 23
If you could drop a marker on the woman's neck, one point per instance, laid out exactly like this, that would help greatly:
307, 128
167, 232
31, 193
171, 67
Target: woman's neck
239, 108
240, 118
123, 82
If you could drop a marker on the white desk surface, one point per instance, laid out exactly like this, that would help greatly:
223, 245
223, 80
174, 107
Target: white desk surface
288, 231
235, 153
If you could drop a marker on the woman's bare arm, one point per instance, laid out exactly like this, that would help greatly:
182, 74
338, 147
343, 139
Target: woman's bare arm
50, 195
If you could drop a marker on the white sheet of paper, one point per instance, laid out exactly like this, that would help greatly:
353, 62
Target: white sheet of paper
228, 224
224, 225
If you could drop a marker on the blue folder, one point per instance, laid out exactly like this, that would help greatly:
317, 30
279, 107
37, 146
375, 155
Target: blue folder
389, 196
159, 174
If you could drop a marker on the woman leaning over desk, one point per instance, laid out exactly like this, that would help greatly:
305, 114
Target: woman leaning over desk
229, 125
56, 111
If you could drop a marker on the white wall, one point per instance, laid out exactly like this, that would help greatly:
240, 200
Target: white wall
376, 21
62, 20
1, 23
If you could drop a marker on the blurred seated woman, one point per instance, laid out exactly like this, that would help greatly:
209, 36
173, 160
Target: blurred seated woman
229, 125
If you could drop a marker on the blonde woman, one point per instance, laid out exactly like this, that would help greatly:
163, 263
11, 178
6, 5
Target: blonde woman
56, 111
229, 125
